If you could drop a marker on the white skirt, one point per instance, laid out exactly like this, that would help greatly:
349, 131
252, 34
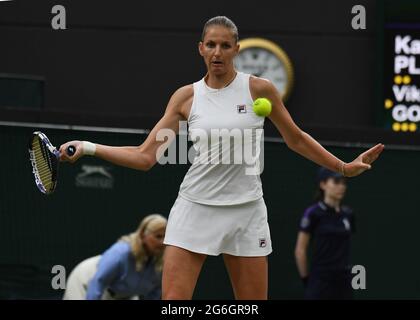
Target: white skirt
239, 230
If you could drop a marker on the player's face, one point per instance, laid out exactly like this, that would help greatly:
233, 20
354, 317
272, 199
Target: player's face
218, 49
153, 241
334, 188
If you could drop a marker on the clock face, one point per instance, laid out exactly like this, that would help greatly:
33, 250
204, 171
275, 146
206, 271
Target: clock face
264, 59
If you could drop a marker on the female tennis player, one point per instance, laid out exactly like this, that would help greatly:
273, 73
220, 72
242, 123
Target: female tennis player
220, 207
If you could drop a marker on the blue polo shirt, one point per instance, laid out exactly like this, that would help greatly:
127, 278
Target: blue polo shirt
330, 235
117, 272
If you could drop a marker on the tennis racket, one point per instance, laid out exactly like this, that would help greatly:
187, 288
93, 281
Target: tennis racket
44, 159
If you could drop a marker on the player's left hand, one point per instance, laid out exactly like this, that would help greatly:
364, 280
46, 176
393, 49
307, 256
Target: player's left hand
363, 161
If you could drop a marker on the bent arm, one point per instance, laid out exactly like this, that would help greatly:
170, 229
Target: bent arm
301, 142
296, 139
144, 156
107, 272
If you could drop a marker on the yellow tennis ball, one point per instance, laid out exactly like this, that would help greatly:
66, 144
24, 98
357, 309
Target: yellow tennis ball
262, 107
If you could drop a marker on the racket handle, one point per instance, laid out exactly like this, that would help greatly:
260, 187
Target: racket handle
71, 150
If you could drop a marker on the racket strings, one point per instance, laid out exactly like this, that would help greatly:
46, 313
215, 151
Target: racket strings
43, 167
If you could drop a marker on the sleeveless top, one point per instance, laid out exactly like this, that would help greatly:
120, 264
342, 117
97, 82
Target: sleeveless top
228, 145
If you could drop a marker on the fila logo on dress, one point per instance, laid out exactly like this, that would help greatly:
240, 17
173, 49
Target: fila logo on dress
241, 108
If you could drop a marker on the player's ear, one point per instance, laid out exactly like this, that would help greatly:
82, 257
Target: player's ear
200, 48
237, 47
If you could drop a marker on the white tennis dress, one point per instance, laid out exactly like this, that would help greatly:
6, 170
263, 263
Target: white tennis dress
220, 208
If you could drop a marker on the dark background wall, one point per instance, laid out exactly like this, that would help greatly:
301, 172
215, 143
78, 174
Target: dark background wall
117, 64
38, 232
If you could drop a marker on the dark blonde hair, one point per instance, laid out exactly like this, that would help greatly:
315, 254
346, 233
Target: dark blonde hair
149, 224
221, 21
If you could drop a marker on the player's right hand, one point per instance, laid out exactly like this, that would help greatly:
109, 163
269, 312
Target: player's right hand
78, 154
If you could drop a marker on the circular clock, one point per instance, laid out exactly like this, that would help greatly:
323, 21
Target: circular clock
264, 58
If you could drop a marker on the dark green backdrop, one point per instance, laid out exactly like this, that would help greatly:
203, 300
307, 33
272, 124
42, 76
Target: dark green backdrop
37, 231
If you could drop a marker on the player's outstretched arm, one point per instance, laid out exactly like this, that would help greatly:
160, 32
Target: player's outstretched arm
144, 156
302, 143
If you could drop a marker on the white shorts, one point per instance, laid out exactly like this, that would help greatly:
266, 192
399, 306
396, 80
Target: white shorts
239, 230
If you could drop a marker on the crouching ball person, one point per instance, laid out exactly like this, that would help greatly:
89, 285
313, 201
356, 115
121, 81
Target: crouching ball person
130, 269
220, 207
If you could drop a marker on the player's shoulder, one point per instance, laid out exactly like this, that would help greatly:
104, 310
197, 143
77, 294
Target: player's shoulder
181, 100
184, 92
261, 86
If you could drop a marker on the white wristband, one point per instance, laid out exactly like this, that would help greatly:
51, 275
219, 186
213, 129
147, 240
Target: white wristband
89, 148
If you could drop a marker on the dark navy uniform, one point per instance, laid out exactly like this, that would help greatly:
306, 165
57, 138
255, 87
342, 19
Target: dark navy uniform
330, 273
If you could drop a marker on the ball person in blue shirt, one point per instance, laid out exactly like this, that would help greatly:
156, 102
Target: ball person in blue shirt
129, 269
328, 225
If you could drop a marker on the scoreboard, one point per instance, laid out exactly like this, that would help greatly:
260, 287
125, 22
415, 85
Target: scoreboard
402, 78
401, 66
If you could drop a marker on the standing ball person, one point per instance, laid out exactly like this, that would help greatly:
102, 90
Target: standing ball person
220, 207
329, 226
